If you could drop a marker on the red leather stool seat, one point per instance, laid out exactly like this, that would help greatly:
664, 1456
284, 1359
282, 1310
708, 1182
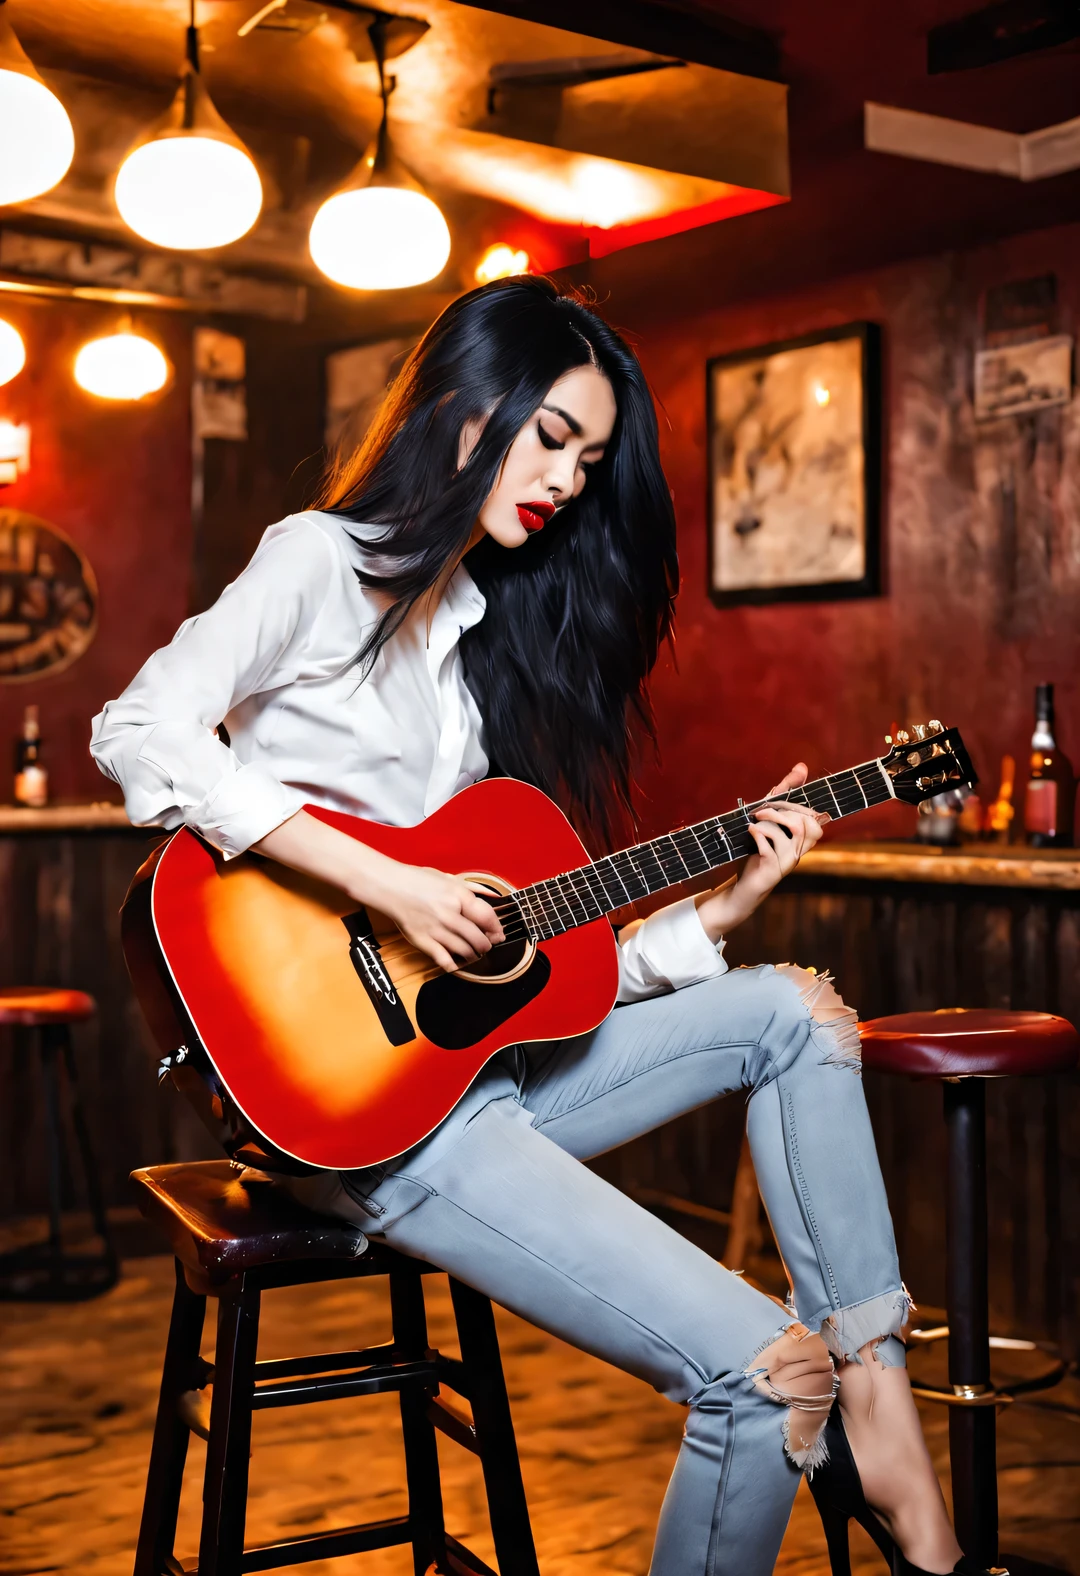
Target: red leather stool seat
31, 1006
978, 1042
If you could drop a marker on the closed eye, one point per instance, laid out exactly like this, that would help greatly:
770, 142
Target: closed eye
546, 438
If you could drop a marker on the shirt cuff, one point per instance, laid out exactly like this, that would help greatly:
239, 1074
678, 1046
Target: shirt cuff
667, 951
243, 807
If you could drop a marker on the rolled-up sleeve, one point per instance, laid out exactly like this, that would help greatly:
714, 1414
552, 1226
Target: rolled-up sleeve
665, 952
158, 740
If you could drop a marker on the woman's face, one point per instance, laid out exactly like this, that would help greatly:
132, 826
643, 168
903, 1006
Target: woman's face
548, 462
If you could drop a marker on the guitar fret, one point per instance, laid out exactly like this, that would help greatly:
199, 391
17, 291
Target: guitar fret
579, 880
630, 874
639, 873
669, 839
614, 898
559, 896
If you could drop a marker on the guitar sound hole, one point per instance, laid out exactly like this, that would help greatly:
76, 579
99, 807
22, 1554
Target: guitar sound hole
510, 959
499, 961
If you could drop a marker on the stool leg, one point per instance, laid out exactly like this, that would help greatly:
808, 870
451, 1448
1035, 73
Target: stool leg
972, 1429
221, 1545
507, 1506
417, 1430
165, 1477
86, 1149
53, 1140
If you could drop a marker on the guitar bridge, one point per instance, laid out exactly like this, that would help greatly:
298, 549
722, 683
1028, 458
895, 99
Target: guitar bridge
371, 971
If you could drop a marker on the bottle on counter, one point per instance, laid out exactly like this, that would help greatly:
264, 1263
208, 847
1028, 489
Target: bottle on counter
1051, 786
31, 777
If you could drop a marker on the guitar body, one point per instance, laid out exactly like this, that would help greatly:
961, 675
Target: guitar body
340, 1043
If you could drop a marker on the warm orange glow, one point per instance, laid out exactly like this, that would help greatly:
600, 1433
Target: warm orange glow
821, 394
501, 262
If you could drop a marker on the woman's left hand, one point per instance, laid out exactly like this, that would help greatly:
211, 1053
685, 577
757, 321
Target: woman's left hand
781, 832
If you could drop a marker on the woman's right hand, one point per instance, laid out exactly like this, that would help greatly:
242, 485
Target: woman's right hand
439, 913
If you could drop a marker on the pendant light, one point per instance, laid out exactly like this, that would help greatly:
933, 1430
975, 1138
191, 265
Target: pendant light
380, 231
12, 351
36, 140
190, 183
123, 365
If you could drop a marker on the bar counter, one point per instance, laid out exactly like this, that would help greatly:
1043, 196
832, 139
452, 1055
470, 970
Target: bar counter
976, 864
98, 817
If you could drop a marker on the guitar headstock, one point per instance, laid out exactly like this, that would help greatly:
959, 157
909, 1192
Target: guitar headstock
925, 760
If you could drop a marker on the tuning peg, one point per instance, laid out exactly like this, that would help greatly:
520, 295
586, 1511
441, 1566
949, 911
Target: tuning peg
935, 726
919, 731
888, 740
903, 736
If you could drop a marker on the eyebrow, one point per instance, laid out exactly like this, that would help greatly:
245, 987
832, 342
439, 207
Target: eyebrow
574, 425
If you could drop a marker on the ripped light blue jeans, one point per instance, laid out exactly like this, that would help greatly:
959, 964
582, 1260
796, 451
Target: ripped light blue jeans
499, 1197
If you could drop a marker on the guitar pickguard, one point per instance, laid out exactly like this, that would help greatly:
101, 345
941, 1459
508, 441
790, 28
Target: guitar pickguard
455, 1013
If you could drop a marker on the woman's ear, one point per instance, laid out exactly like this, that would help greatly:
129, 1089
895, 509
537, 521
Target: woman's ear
468, 438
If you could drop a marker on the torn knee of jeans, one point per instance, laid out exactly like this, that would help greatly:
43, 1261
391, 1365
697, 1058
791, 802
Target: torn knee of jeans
796, 1371
874, 1328
835, 1025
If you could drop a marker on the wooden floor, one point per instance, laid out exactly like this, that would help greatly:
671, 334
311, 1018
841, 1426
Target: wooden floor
79, 1385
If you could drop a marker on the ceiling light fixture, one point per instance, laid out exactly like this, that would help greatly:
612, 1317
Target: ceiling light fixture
12, 352
380, 231
121, 366
37, 143
189, 183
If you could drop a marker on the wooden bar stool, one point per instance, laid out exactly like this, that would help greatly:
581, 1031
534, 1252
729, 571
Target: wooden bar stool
236, 1234
963, 1048
43, 1271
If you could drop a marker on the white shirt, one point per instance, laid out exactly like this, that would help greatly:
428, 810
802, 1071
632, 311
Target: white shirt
275, 659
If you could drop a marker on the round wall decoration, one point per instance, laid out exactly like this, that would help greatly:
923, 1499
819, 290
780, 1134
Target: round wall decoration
48, 598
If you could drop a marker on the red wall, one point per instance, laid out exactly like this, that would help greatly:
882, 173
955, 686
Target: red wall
981, 548
116, 479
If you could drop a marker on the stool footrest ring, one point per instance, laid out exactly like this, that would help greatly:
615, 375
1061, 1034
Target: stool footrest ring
962, 1396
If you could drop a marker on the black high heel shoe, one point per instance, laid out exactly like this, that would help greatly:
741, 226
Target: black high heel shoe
838, 1495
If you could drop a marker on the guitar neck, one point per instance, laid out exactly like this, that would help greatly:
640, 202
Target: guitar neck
579, 896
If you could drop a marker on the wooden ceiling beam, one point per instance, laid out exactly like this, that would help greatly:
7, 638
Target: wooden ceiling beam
688, 31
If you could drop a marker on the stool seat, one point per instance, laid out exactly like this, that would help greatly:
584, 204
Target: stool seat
222, 1219
32, 1006
978, 1042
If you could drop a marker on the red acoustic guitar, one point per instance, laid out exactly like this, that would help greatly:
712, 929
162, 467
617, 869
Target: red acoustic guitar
341, 1043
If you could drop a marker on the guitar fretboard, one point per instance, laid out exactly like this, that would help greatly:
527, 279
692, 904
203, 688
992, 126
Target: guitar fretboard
578, 896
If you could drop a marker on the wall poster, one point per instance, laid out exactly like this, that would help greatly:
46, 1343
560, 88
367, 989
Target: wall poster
794, 469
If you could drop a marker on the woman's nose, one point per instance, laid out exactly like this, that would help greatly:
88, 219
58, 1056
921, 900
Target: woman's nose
559, 478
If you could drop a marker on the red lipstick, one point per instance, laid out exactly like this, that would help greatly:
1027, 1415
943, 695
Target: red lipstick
534, 516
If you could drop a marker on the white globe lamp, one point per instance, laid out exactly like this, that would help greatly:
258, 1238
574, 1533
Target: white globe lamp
189, 183
12, 352
37, 143
381, 231
123, 366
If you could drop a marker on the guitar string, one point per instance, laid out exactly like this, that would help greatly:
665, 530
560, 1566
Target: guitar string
538, 892
855, 799
548, 894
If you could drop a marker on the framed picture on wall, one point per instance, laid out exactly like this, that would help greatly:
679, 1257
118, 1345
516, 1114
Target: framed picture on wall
794, 444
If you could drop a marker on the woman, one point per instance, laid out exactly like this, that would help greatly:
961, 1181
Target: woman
358, 663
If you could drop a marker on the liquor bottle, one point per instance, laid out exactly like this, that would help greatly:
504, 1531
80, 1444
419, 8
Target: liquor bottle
1051, 787
31, 777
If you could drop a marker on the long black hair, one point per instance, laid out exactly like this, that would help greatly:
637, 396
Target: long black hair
576, 615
